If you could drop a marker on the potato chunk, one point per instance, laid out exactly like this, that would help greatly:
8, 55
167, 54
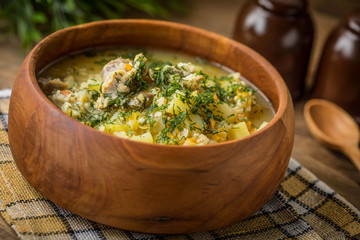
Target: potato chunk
146, 138
227, 112
195, 122
176, 105
238, 131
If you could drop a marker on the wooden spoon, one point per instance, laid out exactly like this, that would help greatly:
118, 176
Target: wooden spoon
334, 127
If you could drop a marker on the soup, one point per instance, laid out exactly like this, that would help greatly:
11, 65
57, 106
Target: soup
155, 96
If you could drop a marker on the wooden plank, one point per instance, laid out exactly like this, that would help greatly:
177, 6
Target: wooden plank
6, 232
10, 61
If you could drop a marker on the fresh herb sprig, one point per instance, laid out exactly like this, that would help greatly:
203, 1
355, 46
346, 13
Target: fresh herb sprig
31, 20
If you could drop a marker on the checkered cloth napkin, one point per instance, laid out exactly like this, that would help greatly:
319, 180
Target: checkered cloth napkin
302, 208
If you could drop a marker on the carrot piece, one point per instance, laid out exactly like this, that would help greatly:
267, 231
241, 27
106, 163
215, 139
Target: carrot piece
215, 97
212, 123
65, 92
128, 67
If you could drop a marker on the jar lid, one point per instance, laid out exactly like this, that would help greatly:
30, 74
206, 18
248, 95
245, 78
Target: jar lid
285, 7
353, 21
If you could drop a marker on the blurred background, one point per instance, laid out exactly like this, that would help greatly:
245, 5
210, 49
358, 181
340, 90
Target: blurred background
25, 22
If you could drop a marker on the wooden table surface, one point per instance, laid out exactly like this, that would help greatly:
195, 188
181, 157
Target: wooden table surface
218, 16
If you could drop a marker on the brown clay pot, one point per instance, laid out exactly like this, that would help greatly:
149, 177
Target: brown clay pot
148, 187
282, 31
338, 75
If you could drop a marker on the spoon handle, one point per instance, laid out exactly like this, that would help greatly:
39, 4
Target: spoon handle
353, 153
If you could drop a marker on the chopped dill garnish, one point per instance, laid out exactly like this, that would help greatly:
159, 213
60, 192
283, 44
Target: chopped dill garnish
158, 101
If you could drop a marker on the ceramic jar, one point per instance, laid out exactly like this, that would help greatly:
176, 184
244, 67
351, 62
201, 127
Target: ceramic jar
282, 31
338, 75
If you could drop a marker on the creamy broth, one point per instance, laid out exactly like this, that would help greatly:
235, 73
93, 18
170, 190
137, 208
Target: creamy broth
103, 82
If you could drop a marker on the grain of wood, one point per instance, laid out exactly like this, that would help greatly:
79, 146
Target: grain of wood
329, 166
334, 127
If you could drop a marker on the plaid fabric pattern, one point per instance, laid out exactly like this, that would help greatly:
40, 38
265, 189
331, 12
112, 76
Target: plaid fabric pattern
302, 208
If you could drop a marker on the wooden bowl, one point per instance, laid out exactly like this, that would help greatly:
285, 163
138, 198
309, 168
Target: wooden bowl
148, 187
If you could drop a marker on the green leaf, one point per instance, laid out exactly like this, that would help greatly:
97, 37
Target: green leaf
177, 6
108, 12
31, 19
22, 28
38, 17
150, 7
36, 35
71, 5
